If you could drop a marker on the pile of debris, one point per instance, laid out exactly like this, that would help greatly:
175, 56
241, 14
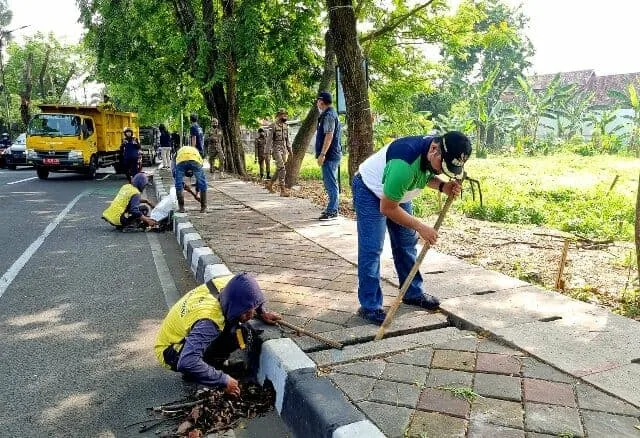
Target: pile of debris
210, 411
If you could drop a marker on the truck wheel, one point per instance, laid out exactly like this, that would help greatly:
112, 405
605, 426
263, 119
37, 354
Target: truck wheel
93, 167
42, 172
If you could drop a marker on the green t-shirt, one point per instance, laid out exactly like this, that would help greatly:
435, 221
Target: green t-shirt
402, 180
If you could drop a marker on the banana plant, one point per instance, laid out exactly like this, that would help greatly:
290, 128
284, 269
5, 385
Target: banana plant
630, 101
549, 102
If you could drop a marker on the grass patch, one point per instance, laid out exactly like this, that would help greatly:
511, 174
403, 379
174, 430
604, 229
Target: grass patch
565, 191
462, 392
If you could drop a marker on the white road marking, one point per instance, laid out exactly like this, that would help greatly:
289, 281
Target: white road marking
22, 180
17, 266
105, 177
169, 288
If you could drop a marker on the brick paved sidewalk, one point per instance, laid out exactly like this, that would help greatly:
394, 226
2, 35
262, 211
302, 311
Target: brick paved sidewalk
429, 380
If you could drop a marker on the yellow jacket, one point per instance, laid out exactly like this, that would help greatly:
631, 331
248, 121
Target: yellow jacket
119, 204
195, 305
188, 153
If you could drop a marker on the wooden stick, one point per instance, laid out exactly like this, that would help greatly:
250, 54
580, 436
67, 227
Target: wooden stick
302, 331
563, 260
414, 270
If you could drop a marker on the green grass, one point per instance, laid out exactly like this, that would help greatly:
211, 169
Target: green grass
567, 192
564, 191
464, 393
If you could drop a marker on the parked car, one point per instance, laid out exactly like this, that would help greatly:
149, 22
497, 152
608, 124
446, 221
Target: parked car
3, 148
15, 155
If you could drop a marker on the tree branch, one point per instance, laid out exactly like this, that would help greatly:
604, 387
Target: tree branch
393, 23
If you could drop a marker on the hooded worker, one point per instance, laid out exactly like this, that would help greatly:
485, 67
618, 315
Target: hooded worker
201, 331
131, 154
126, 209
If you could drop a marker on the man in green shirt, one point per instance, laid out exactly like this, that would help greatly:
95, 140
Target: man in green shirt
383, 188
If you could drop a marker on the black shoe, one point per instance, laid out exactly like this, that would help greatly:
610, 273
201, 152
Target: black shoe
425, 301
328, 216
376, 316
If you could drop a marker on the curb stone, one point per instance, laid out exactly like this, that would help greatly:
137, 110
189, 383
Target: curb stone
311, 406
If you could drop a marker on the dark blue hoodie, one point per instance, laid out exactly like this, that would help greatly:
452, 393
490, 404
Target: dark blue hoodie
240, 295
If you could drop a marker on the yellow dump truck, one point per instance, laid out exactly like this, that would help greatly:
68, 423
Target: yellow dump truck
77, 138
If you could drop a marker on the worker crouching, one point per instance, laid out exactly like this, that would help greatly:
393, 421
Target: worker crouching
201, 331
129, 209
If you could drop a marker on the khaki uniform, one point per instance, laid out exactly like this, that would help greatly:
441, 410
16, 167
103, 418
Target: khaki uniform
214, 148
280, 148
263, 155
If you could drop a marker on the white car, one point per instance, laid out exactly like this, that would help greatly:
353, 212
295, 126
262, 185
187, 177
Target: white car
15, 154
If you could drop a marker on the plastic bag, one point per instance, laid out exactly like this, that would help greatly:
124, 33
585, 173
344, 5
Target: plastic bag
164, 207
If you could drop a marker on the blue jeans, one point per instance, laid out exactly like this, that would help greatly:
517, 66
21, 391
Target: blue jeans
330, 179
371, 228
181, 168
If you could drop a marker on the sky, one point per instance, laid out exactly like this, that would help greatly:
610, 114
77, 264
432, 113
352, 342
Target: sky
567, 34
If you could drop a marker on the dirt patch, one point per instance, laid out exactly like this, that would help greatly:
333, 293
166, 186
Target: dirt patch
597, 273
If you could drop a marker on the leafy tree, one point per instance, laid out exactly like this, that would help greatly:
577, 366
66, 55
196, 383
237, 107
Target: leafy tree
239, 58
40, 70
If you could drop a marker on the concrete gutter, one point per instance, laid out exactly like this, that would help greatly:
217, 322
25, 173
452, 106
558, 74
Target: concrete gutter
310, 405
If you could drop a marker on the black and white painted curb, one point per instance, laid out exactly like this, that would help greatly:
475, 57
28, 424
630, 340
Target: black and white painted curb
310, 405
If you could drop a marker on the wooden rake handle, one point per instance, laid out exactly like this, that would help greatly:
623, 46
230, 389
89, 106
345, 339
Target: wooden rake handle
414, 270
312, 335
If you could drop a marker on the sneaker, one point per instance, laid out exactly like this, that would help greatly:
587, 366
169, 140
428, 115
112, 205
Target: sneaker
328, 216
376, 316
425, 301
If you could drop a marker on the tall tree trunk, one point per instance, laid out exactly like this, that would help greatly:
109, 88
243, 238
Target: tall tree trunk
638, 230
236, 148
64, 83
43, 70
25, 94
342, 25
308, 127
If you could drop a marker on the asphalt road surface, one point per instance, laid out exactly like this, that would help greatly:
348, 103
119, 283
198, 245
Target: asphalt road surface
80, 305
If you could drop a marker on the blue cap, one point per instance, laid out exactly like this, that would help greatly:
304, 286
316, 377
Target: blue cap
325, 97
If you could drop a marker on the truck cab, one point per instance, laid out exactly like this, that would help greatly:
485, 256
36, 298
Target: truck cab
80, 139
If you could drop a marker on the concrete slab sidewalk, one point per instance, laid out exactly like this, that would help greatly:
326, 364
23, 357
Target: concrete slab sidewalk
553, 350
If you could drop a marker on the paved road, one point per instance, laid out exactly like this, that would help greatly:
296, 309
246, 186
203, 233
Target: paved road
80, 305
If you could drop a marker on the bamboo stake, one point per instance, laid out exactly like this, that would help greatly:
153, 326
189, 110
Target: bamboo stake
317, 337
412, 273
563, 260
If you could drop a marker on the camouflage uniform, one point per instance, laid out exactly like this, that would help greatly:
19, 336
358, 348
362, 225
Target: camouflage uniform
214, 148
262, 154
279, 132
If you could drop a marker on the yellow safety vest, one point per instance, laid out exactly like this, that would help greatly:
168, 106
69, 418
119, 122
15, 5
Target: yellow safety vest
188, 153
197, 304
119, 204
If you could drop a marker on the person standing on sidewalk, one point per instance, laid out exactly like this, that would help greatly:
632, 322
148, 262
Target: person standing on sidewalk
383, 188
196, 135
261, 153
201, 331
165, 146
281, 149
188, 158
214, 147
328, 153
